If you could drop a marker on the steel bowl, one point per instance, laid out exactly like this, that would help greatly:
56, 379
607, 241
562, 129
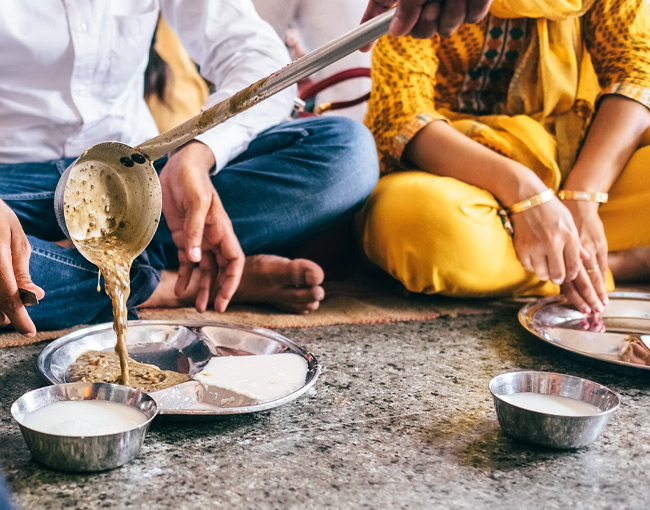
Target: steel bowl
84, 453
552, 430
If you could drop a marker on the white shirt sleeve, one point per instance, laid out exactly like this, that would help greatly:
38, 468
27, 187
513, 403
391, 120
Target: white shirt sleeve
234, 48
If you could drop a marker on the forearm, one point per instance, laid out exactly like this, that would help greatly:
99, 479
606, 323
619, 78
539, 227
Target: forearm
613, 136
438, 148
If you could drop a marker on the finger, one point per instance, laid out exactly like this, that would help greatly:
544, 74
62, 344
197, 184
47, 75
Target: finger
20, 245
185, 265
374, 9
585, 287
11, 306
599, 286
194, 225
406, 17
4, 320
601, 257
230, 260
526, 261
540, 266
575, 298
209, 270
556, 266
427, 25
572, 258
452, 16
476, 10
185, 270
227, 252
10, 303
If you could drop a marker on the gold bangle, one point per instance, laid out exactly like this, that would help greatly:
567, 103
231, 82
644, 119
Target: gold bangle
586, 196
539, 199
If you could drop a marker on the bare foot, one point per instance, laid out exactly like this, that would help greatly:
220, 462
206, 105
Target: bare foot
630, 265
290, 285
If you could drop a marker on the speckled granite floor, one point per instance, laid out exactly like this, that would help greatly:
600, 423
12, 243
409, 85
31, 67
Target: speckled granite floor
400, 418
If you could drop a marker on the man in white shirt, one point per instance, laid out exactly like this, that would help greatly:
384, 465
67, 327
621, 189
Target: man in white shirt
73, 77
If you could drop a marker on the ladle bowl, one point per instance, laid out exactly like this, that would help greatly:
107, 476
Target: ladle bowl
122, 178
110, 188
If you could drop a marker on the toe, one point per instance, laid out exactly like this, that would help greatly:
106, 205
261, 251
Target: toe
306, 273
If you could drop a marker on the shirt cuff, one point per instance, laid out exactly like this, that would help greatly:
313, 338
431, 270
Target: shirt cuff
226, 142
409, 130
630, 90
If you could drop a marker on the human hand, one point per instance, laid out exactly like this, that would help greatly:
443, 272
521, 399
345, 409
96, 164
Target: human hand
200, 227
425, 18
589, 289
14, 273
547, 243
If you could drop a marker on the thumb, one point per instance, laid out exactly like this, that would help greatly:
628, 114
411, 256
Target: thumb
21, 252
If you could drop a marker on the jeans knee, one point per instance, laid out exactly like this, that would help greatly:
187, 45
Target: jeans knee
354, 154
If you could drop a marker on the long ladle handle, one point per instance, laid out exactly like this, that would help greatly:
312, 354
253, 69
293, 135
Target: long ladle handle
266, 87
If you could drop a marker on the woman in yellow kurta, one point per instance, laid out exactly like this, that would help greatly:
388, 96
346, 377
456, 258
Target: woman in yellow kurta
476, 133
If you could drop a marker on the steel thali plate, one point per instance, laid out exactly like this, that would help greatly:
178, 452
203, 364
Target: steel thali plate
182, 347
618, 337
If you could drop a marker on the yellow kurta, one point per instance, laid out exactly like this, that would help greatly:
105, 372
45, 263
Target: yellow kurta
523, 87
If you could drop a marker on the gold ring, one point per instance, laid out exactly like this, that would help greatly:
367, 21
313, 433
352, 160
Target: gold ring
592, 269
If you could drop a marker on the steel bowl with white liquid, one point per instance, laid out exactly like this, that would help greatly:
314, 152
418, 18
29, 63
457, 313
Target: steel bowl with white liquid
72, 451
573, 415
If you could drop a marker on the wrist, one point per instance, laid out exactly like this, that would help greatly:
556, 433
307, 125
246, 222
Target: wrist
194, 154
516, 183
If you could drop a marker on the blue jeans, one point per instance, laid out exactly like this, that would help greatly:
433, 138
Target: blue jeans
295, 180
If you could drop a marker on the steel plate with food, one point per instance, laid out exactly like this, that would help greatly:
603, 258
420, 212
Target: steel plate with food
189, 368
619, 337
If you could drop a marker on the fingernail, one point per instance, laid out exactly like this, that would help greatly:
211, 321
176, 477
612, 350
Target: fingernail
605, 301
586, 309
195, 254
598, 308
557, 281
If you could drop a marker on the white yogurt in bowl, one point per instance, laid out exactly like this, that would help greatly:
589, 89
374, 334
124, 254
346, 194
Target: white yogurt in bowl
84, 418
551, 404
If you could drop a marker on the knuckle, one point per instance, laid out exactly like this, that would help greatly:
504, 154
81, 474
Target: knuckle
601, 247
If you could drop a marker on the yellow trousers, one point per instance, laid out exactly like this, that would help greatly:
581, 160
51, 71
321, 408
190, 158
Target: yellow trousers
440, 235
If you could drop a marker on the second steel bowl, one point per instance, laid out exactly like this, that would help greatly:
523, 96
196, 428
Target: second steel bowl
543, 428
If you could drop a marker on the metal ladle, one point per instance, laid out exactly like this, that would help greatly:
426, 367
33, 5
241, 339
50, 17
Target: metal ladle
113, 188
